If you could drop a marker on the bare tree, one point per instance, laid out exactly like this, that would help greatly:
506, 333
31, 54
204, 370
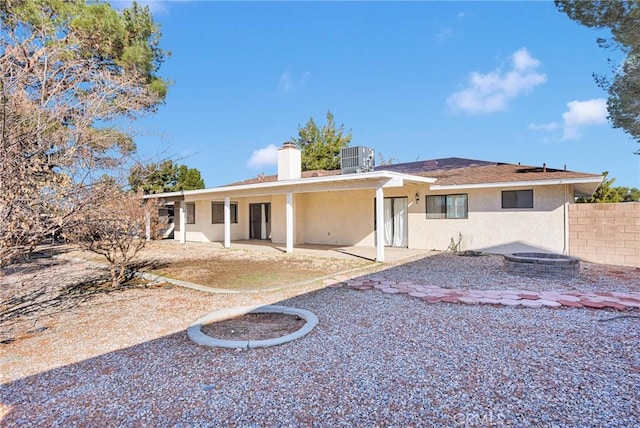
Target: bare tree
116, 228
71, 73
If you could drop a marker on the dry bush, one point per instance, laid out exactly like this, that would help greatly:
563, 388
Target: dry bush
116, 229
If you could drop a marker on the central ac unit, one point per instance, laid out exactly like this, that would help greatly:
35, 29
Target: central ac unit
357, 159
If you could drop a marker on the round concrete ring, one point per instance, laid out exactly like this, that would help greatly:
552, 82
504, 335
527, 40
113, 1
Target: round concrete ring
195, 333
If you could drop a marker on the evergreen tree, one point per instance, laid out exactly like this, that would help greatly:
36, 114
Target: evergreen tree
164, 177
606, 193
321, 147
622, 19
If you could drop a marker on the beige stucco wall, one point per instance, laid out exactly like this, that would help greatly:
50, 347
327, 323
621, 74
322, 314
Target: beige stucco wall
204, 231
489, 227
335, 218
347, 218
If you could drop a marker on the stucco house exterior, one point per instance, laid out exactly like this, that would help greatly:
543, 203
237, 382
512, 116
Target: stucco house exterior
487, 206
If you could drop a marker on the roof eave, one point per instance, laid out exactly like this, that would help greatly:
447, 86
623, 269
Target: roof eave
331, 179
584, 180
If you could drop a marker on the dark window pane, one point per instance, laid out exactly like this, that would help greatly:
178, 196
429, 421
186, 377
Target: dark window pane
524, 198
191, 213
517, 199
436, 207
508, 199
217, 212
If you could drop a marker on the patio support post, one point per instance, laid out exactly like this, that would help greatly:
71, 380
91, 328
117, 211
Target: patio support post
289, 220
227, 222
183, 222
380, 224
565, 208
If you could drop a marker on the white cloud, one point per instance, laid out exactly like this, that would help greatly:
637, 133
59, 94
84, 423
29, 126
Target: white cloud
289, 83
583, 113
491, 92
551, 126
578, 115
266, 156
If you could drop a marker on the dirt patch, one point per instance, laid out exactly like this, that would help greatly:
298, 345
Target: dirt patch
237, 269
254, 326
247, 270
257, 273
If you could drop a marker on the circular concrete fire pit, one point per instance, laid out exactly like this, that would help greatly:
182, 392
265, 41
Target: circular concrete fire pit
542, 265
195, 330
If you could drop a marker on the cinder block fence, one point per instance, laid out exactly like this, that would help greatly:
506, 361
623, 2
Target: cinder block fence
605, 233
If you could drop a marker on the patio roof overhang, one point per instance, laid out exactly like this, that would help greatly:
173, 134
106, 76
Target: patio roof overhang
365, 180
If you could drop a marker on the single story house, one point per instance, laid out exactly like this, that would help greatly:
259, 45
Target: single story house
487, 206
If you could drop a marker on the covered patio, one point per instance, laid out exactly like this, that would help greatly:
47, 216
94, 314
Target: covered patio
285, 191
392, 254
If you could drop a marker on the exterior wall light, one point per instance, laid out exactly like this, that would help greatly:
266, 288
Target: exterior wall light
417, 197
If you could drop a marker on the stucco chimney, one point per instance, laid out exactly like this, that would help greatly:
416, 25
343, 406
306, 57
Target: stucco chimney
289, 162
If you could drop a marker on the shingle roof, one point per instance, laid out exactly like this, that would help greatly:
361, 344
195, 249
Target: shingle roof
271, 178
455, 171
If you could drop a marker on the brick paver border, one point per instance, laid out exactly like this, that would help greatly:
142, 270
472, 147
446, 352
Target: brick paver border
514, 298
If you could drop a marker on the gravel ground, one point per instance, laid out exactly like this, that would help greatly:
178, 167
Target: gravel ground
124, 359
487, 273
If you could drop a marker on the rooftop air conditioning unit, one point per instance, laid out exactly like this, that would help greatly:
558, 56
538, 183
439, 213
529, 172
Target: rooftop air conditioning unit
357, 159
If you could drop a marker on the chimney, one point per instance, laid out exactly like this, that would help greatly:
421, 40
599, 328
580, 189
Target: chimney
544, 167
289, 162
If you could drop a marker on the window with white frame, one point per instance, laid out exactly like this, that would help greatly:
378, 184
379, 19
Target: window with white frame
217, 212
190, 208
517, 199
447, 206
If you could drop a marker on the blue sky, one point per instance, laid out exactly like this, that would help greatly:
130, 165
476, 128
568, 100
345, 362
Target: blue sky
499, 81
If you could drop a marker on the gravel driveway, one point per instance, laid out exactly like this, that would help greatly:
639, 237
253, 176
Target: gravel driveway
124, 359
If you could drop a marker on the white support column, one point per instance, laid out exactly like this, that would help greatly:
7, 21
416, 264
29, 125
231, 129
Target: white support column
289, 221
147, 226
380, 224
227, 222
566, 250
183, 222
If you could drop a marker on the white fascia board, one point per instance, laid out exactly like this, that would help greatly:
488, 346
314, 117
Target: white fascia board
164, 195
393, 179
518, 183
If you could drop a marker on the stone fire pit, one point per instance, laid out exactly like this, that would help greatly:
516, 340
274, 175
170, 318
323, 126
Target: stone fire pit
542, 264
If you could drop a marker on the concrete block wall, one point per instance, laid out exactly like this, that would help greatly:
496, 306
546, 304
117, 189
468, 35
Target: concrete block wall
605, 233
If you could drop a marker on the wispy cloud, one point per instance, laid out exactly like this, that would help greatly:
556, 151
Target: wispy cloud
492, 92
548, 127
266, 156
289, 83
579, 114
442, 35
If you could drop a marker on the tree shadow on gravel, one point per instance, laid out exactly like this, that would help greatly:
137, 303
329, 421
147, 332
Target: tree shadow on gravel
26, 302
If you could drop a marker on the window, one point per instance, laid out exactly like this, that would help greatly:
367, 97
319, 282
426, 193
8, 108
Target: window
447, 206
517, 199
217, 212
191, 212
